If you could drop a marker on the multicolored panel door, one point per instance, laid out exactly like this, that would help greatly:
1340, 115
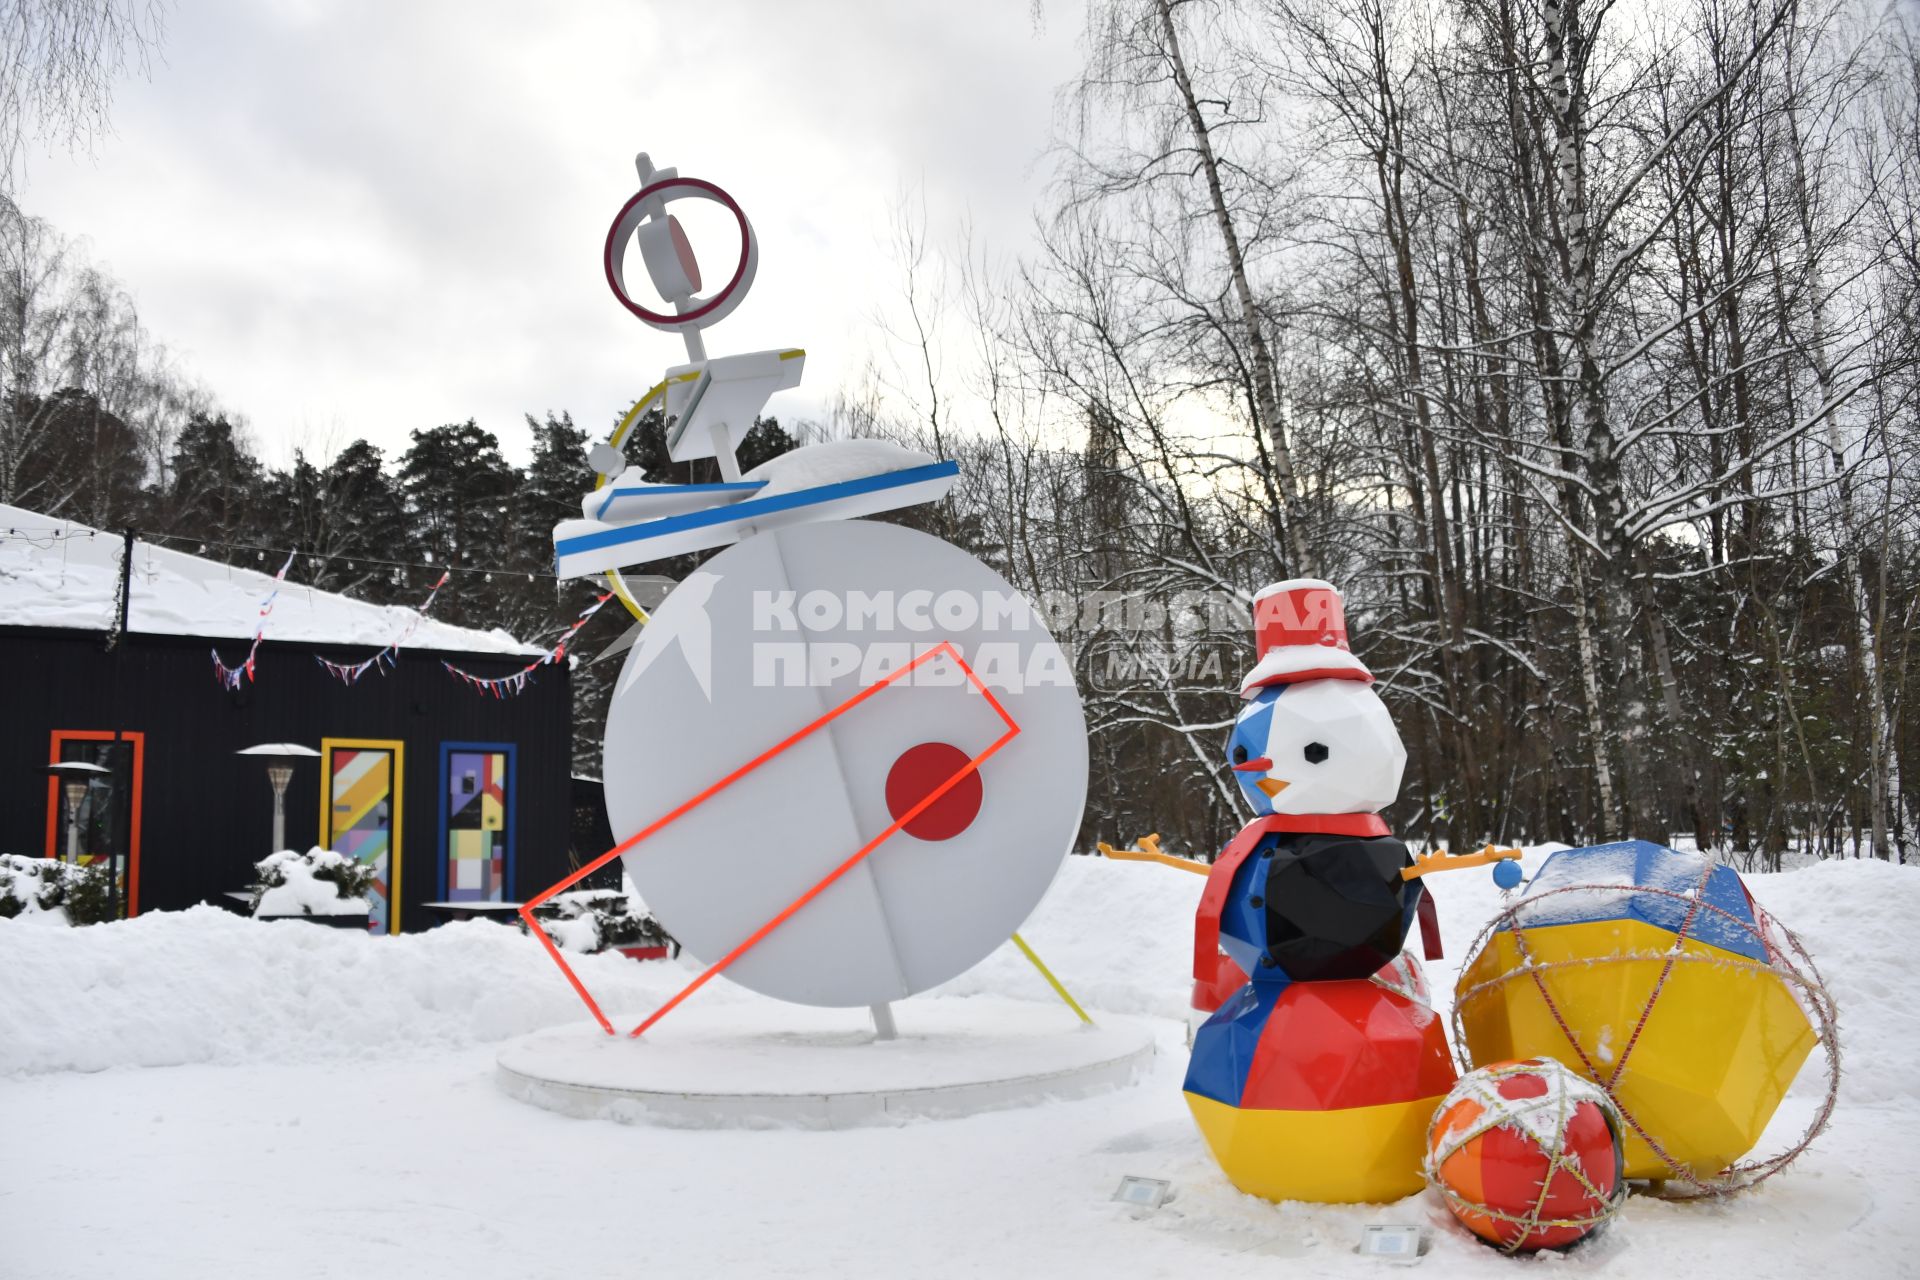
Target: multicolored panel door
478, 783
361, 816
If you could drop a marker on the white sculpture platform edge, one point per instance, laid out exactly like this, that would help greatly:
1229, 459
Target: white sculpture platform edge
768, 1065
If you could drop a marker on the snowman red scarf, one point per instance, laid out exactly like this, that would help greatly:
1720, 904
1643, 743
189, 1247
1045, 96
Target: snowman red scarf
1213, 899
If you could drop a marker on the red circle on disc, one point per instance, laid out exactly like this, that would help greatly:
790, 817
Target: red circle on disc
916, 774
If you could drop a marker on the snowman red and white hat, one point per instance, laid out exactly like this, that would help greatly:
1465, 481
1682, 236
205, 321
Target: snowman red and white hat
1300, 633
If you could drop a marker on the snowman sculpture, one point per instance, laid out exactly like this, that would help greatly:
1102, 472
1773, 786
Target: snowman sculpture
1316, 1078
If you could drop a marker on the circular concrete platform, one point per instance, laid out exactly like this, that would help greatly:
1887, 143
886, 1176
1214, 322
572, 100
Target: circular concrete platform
769, 1065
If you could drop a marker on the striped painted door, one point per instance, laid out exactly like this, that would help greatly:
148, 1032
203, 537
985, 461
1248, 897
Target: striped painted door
361, 818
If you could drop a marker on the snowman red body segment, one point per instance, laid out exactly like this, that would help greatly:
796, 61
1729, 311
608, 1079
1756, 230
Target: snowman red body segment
1310, 1081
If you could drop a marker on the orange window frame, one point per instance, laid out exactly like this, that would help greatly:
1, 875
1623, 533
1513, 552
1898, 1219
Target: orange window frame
139, 741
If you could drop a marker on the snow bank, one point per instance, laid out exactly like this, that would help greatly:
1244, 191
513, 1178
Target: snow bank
1118, 934
209, 986
1856, 918
65, 574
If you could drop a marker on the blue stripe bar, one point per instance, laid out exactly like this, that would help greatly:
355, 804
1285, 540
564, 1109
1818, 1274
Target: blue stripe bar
746, 510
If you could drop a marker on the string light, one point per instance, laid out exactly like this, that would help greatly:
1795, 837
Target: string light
262, 551
44, 538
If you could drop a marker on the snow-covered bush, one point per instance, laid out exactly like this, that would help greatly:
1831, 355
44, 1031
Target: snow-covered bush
600, 920
62, 891
318, 882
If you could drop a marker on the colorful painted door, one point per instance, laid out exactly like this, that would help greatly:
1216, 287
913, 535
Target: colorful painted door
361, 816
475, 830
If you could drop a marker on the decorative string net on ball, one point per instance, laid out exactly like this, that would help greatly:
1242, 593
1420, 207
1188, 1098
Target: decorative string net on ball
1654, 974
1527, 1155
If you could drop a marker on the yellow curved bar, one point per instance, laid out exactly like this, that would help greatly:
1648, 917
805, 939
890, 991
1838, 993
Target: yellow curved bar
615, 582
618, 585
640, 406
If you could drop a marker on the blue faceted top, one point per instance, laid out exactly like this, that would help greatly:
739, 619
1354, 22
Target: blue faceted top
1605, 874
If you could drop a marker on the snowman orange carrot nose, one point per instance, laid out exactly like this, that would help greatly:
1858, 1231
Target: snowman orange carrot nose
1272, 786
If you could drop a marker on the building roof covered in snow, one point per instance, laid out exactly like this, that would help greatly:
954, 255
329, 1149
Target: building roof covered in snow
59, 573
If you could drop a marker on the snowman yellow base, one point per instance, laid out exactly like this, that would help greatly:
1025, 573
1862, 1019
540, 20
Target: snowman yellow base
1355, 1155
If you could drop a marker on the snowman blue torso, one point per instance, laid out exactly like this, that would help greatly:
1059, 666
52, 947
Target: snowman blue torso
1309, 907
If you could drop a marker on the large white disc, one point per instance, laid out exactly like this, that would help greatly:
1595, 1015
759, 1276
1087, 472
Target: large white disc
784, 627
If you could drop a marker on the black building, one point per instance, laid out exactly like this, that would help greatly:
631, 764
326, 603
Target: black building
456, 794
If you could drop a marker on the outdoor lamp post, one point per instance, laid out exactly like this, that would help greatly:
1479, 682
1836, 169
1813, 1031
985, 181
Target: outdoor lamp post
76, 776
279, 757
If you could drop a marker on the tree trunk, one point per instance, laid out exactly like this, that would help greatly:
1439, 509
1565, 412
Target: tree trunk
1265, 381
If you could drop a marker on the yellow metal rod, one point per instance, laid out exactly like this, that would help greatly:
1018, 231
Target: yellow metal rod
1052, 981
619, 437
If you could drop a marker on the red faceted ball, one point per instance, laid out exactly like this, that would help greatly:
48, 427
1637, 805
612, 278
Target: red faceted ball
1527, 1155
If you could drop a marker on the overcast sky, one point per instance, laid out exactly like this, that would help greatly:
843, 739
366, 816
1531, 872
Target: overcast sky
354, 219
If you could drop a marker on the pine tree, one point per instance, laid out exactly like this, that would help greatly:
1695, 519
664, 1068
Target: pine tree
348, 522
217, 489
556, 476
459, 493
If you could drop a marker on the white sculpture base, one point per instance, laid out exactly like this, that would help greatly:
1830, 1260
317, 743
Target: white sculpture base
771, 1065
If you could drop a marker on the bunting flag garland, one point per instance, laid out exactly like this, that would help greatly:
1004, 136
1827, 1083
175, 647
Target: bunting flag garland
231, 677
504, 686
389, 657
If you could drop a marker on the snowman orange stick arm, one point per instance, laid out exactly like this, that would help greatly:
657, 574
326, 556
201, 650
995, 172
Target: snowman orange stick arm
1149, 851
1444, 861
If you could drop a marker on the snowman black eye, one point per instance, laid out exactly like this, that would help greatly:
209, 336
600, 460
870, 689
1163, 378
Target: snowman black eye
1316, 752
1239, 755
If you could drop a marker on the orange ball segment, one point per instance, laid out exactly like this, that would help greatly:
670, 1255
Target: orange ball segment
1527, 1155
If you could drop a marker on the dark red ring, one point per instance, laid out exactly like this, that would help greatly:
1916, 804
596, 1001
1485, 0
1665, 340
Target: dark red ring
655, 317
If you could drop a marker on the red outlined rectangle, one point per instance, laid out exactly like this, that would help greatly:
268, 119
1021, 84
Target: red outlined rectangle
138, 740
701, 797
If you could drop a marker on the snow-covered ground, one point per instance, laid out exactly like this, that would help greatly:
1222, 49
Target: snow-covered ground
198, 1095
